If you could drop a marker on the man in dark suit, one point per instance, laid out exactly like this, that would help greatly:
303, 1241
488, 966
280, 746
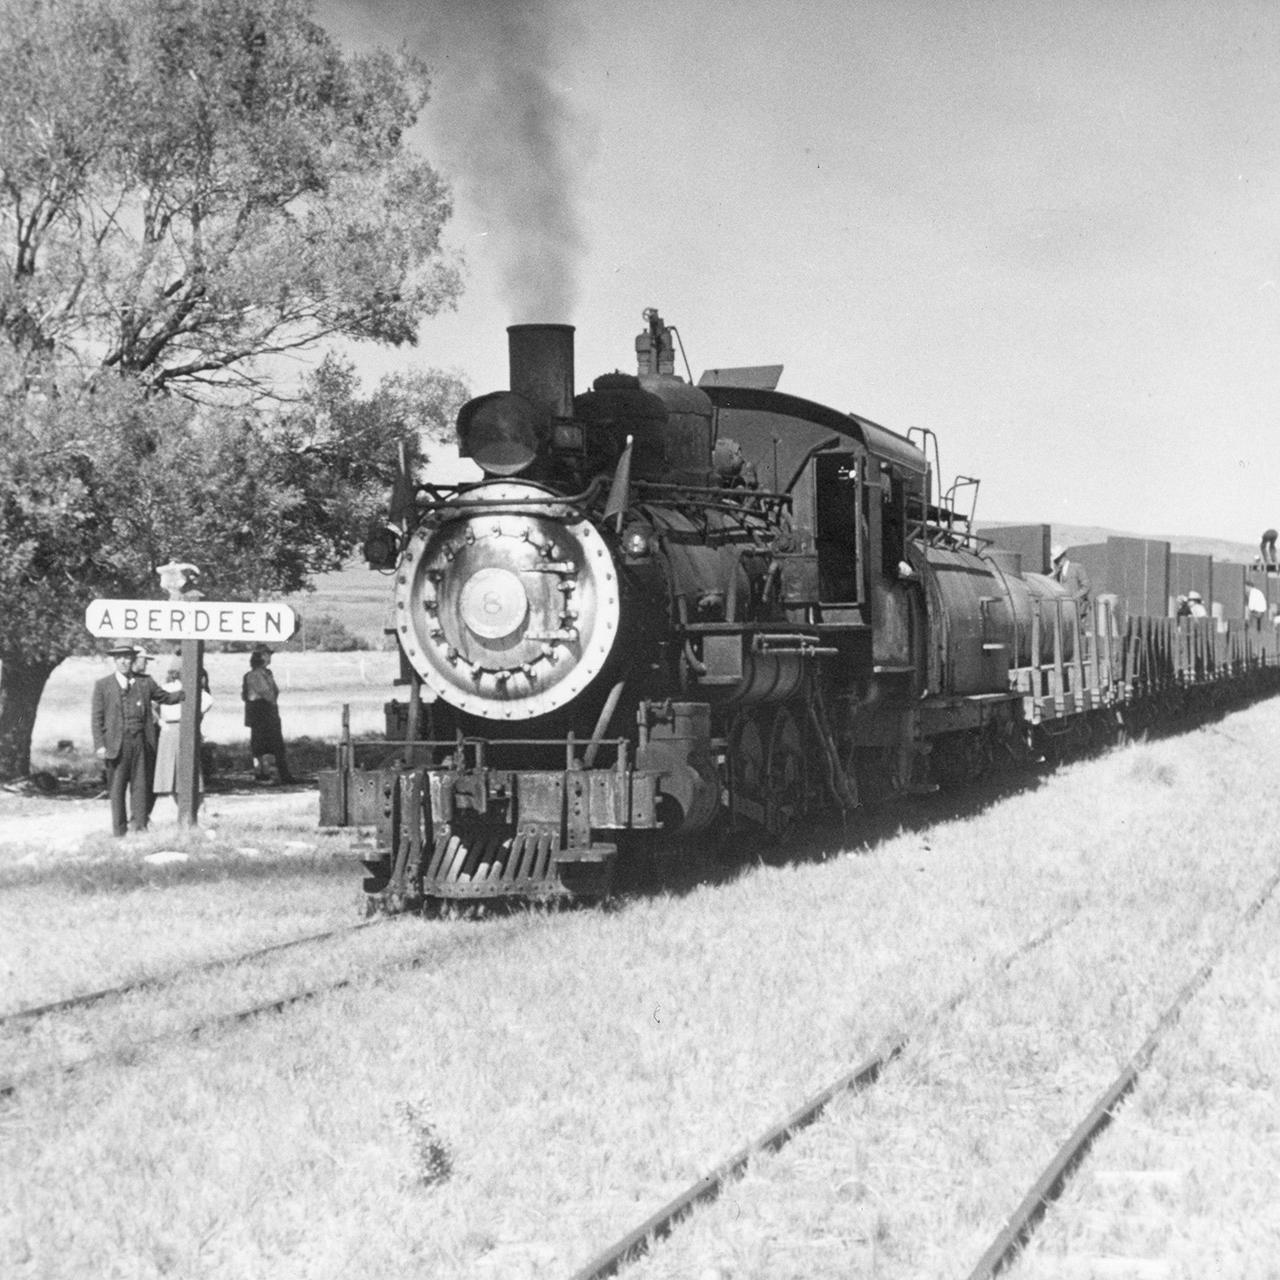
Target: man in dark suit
125, 735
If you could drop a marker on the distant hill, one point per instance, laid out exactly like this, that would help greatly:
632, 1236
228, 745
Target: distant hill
1078, 535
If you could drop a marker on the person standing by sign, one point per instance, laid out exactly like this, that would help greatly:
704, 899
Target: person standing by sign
166, 775
262, 716
141, 656
125, 734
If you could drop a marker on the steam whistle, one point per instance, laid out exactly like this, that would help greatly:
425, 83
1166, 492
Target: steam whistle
655, 347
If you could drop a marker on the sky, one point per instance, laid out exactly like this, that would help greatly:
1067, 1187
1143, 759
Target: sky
1049, 231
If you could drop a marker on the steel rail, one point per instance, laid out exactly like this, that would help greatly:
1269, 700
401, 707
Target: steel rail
126, 1052
1016, 1232
660, 1224
32, 1012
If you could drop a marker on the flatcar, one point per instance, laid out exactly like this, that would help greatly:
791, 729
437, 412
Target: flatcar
671, 610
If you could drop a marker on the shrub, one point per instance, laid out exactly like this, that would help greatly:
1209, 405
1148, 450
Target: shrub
327, 632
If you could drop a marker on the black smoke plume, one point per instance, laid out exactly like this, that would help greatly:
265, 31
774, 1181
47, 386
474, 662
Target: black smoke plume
505, 133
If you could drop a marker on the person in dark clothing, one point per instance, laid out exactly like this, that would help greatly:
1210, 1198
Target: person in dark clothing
124, 736
261, 698
1268, 547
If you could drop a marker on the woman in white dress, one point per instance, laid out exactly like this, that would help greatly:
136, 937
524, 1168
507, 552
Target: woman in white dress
166, 775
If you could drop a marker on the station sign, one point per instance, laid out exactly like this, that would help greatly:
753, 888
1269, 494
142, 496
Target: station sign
190, 620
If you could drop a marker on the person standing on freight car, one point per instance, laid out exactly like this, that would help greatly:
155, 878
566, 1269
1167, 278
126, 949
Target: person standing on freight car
124, 736
261, 698
1267, 548
1076, 581
1255, 604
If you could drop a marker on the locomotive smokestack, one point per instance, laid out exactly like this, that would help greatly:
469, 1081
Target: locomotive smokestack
542, 365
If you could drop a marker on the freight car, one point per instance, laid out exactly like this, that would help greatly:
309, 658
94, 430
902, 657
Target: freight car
669, 610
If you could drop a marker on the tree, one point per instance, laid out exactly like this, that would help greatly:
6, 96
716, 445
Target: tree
98, 490
189, 188
189, 185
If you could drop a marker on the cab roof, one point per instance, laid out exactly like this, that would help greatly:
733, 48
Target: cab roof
879, 441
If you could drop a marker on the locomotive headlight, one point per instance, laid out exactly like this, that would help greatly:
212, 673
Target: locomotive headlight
637, 541
493, 603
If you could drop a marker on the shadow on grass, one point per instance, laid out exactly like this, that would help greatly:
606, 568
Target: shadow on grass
113, 867
722, 860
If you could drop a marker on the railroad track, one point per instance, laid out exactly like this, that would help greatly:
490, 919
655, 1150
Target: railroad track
224, 1021
1057, 1174
31, 1013
128, 1052
659, 1225
1047, 1187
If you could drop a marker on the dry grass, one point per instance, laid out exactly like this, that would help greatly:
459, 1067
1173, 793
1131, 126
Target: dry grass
510, 1112
1184, 1184
915, 1178
110, 922
360, 598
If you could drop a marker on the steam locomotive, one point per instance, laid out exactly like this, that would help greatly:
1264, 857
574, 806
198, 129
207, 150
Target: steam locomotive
670, 609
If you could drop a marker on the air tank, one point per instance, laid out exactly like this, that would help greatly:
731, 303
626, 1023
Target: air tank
981, 621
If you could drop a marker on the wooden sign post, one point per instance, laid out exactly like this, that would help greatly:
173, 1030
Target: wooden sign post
179, 580
189, 733
188, 617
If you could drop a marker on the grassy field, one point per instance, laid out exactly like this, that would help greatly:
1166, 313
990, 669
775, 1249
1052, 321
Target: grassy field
1199, 1133
547, 1080
360, 599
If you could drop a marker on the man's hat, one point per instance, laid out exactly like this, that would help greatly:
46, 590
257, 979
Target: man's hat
1057, 551
120, 650
141, 651
1195, 595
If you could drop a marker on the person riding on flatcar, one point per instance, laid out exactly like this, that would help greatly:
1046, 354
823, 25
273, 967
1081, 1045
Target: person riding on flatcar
1073, 576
